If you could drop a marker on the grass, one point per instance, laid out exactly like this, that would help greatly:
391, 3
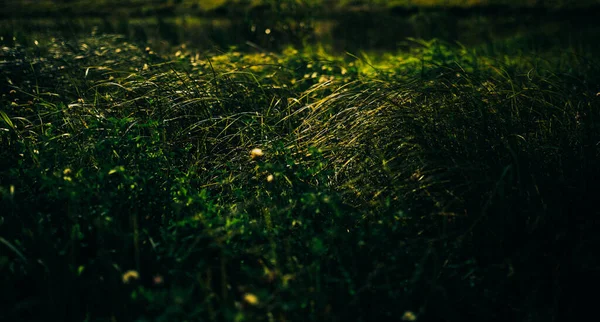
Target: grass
439, 183
151, 8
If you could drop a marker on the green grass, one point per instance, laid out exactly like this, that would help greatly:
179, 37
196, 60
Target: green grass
442, 183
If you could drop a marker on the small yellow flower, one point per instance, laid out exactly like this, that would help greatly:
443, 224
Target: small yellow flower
256, 153
251, 299
67, 171
409, 316
130, 275
270, 178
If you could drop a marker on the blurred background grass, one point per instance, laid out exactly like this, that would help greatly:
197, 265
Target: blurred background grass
78, 7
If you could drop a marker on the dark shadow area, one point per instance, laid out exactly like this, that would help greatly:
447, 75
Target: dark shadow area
352, 32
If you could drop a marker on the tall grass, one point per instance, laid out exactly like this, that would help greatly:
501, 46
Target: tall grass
443, 183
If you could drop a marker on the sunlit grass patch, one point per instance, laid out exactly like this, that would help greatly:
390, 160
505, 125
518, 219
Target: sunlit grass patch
298, 185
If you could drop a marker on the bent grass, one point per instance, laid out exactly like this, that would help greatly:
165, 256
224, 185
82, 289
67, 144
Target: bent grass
292, 186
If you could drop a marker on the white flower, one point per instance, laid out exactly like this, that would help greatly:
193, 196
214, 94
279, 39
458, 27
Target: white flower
256, 153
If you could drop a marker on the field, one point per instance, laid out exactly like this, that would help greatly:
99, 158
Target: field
299, 171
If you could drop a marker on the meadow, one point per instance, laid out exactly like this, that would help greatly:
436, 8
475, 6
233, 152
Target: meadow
433, 182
